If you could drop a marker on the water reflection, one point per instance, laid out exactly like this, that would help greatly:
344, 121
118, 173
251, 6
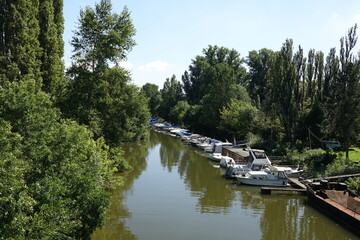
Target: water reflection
115, 228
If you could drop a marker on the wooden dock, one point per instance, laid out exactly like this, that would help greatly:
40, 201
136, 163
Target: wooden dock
268, 190
296, 186
296, 183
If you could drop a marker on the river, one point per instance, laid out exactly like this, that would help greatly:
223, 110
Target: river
175, 193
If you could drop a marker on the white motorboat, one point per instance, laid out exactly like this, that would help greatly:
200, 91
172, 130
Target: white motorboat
217, 157
265, 177
257, 161
290, 172
226, 162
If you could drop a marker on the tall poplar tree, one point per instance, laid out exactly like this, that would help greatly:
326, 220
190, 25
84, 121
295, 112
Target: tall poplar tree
283, 80
51, 24
19, 44
342, 88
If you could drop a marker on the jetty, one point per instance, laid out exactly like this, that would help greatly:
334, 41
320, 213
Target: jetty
296, 186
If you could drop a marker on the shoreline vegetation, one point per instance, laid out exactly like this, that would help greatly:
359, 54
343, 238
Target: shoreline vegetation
61, 134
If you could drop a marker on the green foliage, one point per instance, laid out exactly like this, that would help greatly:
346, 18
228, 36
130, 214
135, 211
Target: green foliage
204, 72
238, 118
354, 184
15, 202
102, 37
19, 45
58, 173
343, 92
259, 63
171, 94
179, 111
99, 96
315, 160
51, 24
342, 166
152, 93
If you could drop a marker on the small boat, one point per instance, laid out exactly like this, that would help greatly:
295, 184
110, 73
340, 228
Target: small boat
257, 161
337, 201
267, 177
226, 162
216, 157
290, 172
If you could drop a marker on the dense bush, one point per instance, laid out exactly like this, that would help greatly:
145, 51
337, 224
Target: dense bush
314, 160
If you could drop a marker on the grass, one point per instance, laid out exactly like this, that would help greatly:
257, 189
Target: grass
354, 154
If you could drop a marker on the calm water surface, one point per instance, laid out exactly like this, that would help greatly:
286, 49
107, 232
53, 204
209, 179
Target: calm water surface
175, 193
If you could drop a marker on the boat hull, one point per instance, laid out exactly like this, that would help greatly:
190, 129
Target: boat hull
337, 212
260, 182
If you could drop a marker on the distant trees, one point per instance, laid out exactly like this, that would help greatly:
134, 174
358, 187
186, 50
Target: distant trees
151, 92
291, 91
171, 94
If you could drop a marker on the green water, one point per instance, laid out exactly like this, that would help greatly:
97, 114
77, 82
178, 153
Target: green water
175, 193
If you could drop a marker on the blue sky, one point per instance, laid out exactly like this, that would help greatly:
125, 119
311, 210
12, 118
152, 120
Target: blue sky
172, 33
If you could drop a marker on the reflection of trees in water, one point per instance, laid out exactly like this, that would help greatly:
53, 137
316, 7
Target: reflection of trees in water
282, 217
285, 216
202, 179
205, 182
315, 225
135, 153
115, 226
171, 150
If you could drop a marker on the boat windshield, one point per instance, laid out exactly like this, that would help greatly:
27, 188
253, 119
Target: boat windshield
259, 154
256, 167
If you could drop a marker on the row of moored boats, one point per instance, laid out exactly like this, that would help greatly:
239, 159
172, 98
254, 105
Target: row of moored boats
257, 170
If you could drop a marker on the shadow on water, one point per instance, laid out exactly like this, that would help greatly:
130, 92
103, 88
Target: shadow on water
217, 207
115, 227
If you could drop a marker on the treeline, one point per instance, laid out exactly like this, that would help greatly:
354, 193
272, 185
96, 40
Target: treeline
271, 99
60, 134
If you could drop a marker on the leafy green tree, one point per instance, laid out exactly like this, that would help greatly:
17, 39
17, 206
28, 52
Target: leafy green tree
200, 75
179, 112
151, 91
100, 96
342, 89
60, 174
102, 37
258, 85
19, 44
51, 24
219, 94
239, 118
283, 79
16, 205
171, 94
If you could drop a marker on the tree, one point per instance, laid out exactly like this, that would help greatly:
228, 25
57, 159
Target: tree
219, 94
51, 24
258, 85
100, 95
58, 173
151, 91
171, 94
200, 75
19, 44
102, 37
342, 87
179, 112
283, 81
238, 118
